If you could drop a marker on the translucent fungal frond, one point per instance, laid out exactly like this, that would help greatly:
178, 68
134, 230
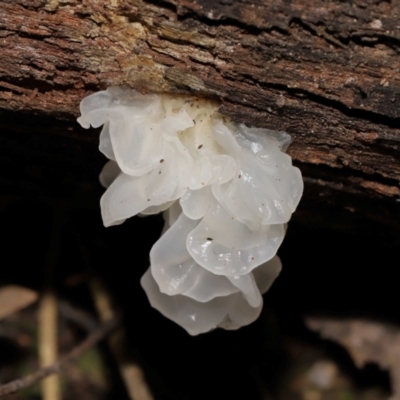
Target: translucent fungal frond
226, 191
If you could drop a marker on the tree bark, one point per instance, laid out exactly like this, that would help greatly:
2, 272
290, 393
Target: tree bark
325, 71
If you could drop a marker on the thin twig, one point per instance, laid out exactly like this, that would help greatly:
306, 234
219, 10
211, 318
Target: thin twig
130, 371
99, 334
81, 318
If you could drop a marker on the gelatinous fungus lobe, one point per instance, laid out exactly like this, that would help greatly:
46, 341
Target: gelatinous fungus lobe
226, 192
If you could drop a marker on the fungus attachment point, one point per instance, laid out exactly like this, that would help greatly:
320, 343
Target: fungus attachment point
217, 253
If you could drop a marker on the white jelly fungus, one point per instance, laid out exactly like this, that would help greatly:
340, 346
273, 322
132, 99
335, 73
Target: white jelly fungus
226, 191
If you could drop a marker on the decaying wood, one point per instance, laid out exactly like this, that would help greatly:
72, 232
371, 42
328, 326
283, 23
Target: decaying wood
327, 72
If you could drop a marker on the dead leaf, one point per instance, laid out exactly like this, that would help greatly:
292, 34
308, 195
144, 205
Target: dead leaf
14, 298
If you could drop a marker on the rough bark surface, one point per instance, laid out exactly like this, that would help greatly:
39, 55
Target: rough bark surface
326, 71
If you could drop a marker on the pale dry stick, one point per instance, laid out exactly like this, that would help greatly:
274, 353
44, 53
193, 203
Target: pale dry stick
48, 311
95, 337
131, 373
48, 343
